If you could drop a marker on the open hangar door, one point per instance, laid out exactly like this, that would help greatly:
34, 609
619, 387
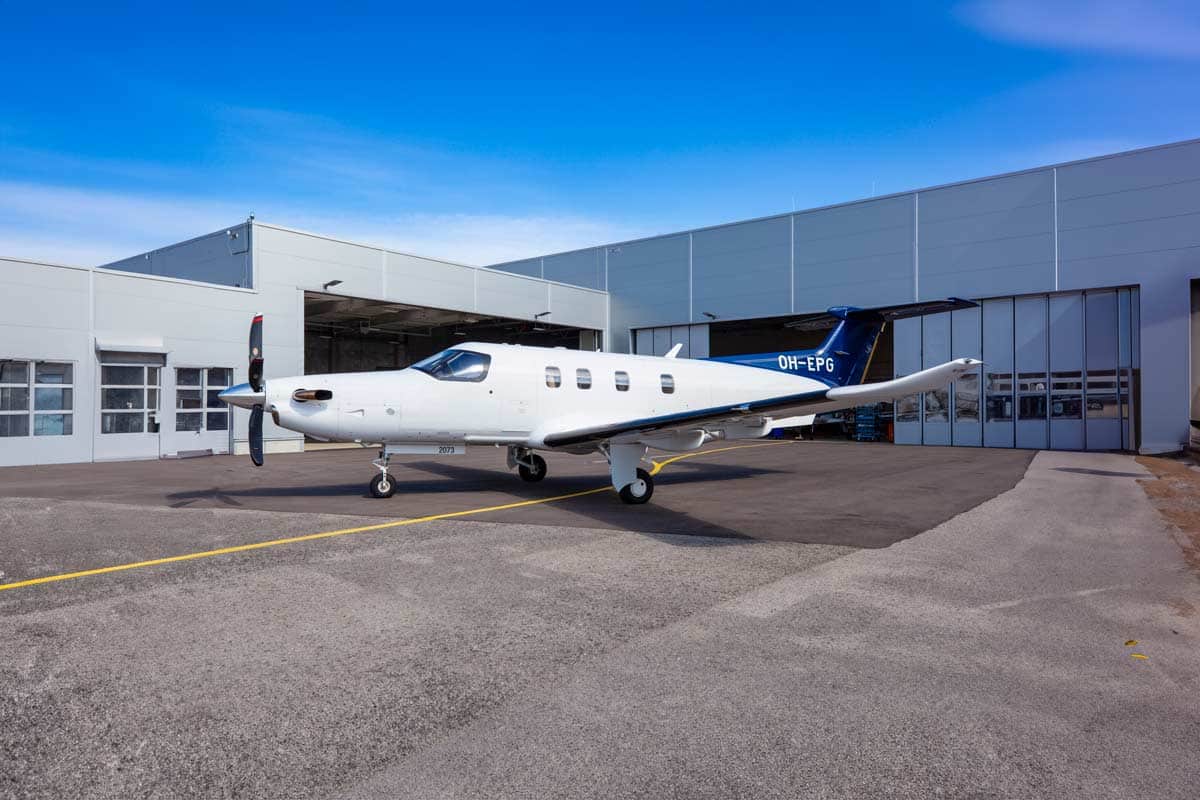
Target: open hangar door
803, 332
350, 334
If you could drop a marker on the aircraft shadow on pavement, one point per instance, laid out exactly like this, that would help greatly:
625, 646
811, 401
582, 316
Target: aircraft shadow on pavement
653, 519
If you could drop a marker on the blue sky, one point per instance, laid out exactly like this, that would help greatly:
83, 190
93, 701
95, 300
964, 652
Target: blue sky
487, 133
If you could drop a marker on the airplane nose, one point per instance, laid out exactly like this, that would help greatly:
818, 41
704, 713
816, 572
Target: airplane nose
242, 396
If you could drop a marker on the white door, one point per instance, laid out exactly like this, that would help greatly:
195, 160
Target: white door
128, 424
201, 419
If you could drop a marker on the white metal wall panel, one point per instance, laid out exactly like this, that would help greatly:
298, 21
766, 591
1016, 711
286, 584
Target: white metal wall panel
965, 339
993, 237
530, 267
1032, 355
510, 295
46, 314
649, 284
222, 257
1066, 372
999, 408
418, 281
571, 306
1133, 219
580, 268
744, 270
287, 259
906, 344
859, 254
935, 349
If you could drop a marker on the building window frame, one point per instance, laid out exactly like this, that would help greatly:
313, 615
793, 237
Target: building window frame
37, 415
208, 412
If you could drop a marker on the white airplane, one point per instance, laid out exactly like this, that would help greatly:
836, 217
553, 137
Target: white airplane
554, 399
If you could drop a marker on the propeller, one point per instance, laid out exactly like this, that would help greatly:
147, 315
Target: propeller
256, 383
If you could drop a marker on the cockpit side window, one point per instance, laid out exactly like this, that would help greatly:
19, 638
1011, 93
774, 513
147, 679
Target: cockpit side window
456, 365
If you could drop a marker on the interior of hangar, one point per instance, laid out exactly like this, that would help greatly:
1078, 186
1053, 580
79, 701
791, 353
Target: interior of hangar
354, 334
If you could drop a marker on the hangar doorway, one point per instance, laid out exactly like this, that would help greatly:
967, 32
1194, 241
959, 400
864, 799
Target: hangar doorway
351, 334
771, 334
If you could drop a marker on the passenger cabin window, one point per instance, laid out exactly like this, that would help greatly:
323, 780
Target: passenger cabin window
668, 384
622, 381
553, 377
583, 378
456, 365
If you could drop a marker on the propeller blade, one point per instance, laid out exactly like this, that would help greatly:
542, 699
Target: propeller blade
256, 437
256, 353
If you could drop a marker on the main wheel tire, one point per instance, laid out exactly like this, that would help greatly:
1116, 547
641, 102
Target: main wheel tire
629, 495
534, 473
383, 486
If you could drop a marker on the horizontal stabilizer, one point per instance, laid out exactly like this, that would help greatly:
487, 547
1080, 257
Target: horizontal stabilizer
880, 313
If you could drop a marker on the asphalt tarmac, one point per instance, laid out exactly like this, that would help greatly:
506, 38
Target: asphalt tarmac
815, 492
455, 658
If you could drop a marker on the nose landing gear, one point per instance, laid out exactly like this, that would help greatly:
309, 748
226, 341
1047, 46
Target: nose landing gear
382, 485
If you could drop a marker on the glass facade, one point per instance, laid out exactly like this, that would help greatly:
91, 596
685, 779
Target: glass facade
1057, 373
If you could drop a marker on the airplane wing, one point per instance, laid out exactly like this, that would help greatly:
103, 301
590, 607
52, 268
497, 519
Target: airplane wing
811, 402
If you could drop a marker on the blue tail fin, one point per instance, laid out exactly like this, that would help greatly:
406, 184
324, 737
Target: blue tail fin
843, 358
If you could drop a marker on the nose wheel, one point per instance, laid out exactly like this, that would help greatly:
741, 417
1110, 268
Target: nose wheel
382, 485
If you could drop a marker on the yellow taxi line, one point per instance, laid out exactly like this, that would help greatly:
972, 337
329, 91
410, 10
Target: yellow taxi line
241, 548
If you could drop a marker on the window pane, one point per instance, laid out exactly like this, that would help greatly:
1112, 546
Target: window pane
1031, 406
966, 398
1069, 406
218, 421
937, 405
121, 423
213, 400
220, 376
553, 377
908, 409
1102, 406
622, 380
14, 424
121, 376
14, 398
189, 422
152, 376
14, 372
187, 398
668, 384
583, 378
52, 424
122, 398
152, 402
187, 377
52, 399
48, 372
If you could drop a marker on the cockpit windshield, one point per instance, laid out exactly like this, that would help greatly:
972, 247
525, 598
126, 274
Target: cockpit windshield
456, 365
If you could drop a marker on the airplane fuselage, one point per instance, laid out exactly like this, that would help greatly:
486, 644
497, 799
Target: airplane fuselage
526, 392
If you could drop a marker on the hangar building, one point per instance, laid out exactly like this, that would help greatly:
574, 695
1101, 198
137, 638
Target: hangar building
1086, 272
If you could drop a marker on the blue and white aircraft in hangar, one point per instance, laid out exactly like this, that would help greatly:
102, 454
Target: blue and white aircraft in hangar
554, 399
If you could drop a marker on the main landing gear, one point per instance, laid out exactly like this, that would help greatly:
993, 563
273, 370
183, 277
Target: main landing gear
530, 466
634, 484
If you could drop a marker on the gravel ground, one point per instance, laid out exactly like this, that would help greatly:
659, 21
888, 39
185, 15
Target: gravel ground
986, 657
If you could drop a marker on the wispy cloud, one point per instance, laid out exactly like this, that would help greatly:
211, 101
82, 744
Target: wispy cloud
1168, 29
85, 226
